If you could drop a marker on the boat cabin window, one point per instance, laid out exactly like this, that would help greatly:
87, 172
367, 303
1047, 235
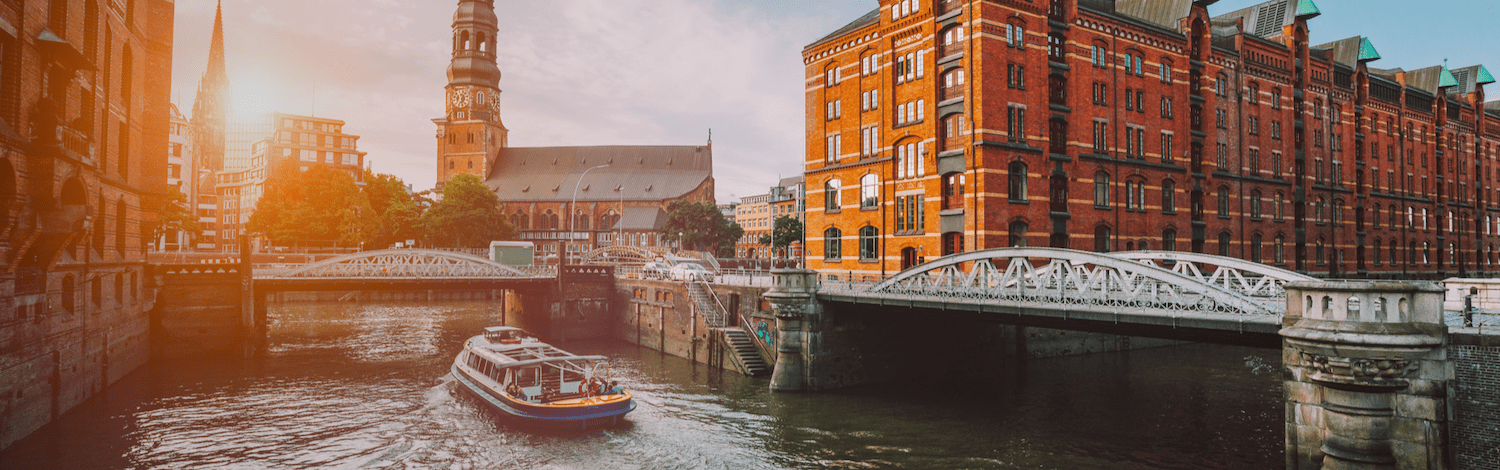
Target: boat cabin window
505, 336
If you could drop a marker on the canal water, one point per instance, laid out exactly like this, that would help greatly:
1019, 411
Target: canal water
365, 386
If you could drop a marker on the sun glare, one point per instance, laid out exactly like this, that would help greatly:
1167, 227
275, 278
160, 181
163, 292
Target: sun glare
254, 96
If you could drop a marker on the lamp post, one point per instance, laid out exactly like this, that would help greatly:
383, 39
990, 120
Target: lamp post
572, 213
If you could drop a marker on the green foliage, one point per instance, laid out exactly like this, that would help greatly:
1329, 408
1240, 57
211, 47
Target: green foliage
319, 206
468, 216
786, 231
175, 214
394, 213
701, 226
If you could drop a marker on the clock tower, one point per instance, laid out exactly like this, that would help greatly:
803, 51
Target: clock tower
470, 132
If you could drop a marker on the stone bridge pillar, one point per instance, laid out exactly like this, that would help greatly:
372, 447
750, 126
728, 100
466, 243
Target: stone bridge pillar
1366, 374
794, 300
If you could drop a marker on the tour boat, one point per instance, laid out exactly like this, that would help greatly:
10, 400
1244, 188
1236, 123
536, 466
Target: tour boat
513, 372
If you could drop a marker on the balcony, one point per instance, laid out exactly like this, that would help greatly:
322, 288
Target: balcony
76, 145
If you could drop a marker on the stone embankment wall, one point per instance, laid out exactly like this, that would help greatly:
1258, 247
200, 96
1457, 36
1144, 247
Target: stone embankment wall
1474, 400
199, 307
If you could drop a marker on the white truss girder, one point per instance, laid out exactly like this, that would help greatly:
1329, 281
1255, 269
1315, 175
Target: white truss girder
618, 254
1246, 277
406, 264
1067, 280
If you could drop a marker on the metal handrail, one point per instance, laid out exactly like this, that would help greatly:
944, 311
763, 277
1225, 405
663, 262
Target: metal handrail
722, 311
745, 322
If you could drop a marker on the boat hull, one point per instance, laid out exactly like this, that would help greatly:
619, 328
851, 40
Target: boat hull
581, 413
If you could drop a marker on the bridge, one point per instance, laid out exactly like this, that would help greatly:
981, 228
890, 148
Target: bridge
1172, 295
1373, 377
403, 269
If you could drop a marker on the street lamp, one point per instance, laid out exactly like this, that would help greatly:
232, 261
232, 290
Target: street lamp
572, 209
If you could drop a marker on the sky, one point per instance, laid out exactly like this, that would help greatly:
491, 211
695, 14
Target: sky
633, 72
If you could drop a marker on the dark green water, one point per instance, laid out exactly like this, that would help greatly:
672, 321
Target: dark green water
365, 386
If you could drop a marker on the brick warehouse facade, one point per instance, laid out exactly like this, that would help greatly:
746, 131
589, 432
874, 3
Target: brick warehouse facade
84, 124
939, 126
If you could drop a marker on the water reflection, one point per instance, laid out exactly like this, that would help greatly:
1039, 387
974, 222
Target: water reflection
364, 385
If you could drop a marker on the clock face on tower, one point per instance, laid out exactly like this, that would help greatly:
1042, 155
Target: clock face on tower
461, 98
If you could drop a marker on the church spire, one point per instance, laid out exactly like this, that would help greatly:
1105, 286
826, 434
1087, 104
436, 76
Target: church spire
211, 107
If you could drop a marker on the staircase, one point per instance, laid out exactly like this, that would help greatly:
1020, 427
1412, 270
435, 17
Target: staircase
744, 351
707, 304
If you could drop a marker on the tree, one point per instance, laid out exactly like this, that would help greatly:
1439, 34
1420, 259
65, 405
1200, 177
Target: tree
786, 231
175, 215
395, 215
319, 206
702, 227
468, 216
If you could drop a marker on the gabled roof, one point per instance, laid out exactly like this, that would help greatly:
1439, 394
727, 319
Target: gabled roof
1428, 79
1351, 51
642, 218
866, 20
1163, 13
635, 173
1267, 19
1469, 78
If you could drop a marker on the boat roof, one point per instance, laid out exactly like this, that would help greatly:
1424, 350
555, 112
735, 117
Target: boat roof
494, 329
528, 353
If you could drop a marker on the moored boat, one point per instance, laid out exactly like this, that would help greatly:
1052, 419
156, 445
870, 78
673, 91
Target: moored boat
513, 372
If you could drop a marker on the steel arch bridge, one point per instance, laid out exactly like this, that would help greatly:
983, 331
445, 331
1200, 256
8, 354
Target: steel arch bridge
406, 264
1053, 286
619, 254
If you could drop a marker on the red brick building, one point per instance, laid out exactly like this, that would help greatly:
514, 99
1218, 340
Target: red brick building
942, 126
84, 124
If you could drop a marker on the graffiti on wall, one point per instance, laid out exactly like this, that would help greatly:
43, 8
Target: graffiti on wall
765, 332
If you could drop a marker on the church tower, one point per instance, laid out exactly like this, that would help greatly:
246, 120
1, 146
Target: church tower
470, 133
211, 106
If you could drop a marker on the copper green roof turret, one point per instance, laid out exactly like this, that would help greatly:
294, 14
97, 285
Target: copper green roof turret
1367, 51
1306, 10
1483, 77
1446, 79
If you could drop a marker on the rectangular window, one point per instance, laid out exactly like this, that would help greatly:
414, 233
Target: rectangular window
1129, 102
832, 155
1017, 123
1166, 148
1100, 135
1166, 107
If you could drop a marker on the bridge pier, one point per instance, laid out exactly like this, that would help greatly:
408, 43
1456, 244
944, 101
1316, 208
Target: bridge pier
1366, 375
793, 298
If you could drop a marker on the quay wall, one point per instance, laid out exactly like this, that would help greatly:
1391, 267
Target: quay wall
1474, 399
63, 340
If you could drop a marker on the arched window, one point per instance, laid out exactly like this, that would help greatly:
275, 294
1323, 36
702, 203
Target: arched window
7, 192
1101, 190
1377, 252
1102, 240
953, 243
1375, 216
869, 191
1392, 220
1224, 243
908, 258
1169, 240
581, 220
483, 47
1318, 211
1280, 249
953, 191
1168, 196
869, 243
1255, 253
464, 41
833, 244
831, 201
1018, 233
69, 293
121, 217
479, 98
520, 220
1018, 178
127, 63
1223, 201
1318, 253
